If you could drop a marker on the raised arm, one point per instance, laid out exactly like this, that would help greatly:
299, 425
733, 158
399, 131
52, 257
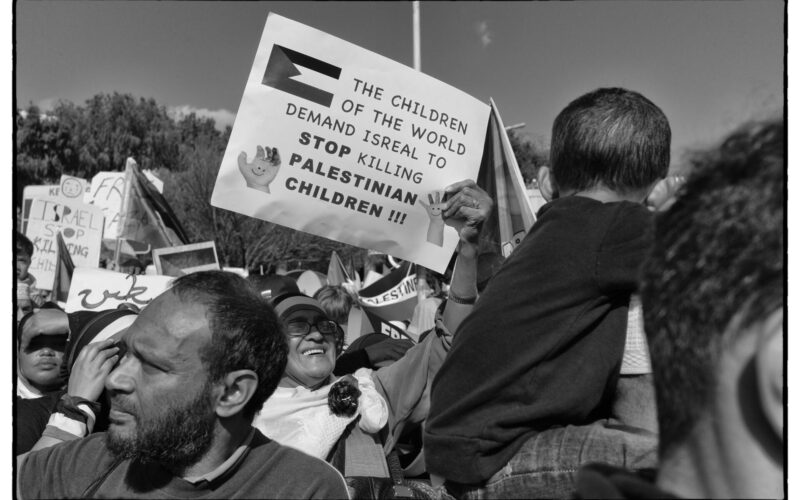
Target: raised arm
467, 207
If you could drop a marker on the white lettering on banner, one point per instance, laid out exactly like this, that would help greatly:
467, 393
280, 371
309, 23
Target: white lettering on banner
361, 142
402, 291
99, 289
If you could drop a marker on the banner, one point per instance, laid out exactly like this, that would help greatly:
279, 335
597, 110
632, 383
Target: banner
107, 190
99, 289
63, 272
146, 216
81, 226
512, 215
394, 296
382, 326
340, 142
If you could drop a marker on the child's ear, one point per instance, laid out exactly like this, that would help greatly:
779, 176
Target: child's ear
546, 184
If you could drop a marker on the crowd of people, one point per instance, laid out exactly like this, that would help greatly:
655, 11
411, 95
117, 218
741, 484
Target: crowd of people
631, 346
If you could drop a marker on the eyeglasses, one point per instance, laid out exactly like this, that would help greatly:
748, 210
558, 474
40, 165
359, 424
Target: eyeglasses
299, 328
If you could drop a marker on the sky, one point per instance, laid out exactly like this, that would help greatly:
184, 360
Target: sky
709, 65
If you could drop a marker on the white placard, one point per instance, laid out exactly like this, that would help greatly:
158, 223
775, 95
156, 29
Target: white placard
107, 190
35, 191
99, 289
80, 224
362, 140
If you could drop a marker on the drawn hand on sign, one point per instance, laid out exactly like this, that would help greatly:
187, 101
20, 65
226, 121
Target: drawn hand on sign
262, 170
466, 209
436, 225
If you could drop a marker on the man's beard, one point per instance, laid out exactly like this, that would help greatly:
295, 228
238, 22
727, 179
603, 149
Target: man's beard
175, 438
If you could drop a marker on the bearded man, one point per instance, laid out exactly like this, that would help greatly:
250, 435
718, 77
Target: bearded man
192, 371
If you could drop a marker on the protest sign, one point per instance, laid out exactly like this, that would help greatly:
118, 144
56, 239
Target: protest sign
81, 226
185, 259
31, 192
340, 142
100, 289
107, 191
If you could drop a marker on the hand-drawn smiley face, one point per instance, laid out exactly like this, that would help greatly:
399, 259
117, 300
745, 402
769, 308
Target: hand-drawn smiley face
71, 188
260, 172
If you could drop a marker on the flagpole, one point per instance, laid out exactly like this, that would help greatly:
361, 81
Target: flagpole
126, 193
417, 57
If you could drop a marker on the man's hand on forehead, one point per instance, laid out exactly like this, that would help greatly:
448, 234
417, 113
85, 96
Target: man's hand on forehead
44, 322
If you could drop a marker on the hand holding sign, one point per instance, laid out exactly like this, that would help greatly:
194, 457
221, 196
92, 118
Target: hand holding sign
436, 224
467, 207
262, 170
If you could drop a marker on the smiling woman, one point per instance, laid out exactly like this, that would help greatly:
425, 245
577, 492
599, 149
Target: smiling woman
299, 414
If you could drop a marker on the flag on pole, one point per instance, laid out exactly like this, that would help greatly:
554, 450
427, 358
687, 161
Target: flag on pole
337, 273
392, 297
146, 215
512, 215
64, 269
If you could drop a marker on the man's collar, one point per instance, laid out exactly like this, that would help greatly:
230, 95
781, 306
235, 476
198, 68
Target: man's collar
226, 465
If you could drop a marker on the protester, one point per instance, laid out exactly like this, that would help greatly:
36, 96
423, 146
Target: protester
40, 423
525, 395
42, 339
403, 385
713, 299
197, 364
28, 296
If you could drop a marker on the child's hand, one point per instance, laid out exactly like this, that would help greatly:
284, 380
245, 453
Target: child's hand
44, 322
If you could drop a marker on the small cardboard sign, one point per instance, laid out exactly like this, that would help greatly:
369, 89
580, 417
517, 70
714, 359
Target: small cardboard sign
338, 141
80, 224
100, 289
185, 259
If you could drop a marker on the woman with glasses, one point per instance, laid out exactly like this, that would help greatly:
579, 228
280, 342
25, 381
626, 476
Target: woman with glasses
298, 413
311, 404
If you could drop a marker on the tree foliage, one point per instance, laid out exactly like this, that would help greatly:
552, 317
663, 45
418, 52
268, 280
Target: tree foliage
186, 154
531, 153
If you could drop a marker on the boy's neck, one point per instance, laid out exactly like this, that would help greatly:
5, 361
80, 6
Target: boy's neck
604, 194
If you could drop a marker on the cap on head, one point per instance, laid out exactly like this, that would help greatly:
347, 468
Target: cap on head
288, 303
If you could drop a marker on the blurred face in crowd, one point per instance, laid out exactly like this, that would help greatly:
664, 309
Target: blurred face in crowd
312, 355
162, 404
23, 263
40, 361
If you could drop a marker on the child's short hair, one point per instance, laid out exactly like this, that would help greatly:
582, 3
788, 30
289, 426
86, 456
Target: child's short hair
610, 135
23, 244
335, 301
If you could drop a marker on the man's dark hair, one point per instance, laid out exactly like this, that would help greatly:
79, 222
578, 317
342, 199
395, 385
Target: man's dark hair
245, 332
718, 252
23, 244
610, 135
